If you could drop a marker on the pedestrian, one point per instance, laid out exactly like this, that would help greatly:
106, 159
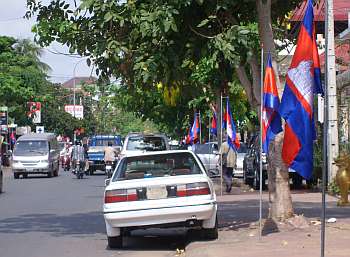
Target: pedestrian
78, 153
229, 157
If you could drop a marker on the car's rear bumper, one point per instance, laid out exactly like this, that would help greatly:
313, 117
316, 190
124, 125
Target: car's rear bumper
157, 216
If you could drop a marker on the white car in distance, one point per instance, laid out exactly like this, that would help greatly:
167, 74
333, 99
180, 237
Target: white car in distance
159, 189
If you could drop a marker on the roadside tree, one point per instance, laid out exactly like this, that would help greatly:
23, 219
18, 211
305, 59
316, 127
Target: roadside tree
182, 45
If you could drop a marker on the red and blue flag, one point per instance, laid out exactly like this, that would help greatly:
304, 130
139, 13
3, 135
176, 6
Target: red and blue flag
214, 128
232, 139
271, 120
296, 107
194, 132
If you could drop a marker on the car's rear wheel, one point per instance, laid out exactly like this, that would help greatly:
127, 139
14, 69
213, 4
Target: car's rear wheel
211, 233
16, 175
115, 242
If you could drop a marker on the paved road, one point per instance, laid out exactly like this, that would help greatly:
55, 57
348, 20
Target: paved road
61, 217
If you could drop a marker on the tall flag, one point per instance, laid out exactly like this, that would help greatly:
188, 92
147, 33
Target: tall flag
188, 138
214, 128
224, 119
271, 120
12, 138
232, 139
194, 132
297, 100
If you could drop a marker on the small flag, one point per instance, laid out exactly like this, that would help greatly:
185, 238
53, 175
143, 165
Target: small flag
194, 132
297, 100
213, 128
232, 138
271, 120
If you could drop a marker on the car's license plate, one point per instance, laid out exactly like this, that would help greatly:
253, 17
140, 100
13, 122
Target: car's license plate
29, 170
108, 167
157, 192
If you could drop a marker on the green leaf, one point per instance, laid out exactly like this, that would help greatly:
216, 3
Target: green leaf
166, 25
203, 23
200, 2
174, 27
108, 16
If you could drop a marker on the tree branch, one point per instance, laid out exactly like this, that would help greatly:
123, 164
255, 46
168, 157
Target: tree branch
244, 79
199, 34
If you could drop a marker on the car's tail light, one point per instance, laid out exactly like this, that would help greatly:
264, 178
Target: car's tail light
201, 188
120, 195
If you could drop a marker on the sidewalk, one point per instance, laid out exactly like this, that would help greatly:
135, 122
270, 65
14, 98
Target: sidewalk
239, 229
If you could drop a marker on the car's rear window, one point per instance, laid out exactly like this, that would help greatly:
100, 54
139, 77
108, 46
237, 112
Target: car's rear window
159, 165
205, 148
146, 143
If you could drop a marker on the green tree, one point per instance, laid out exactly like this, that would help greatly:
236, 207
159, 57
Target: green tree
21, 78
192, 44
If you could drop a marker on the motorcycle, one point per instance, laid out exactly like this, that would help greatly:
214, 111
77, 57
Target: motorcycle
109, 168
66, 163
79, 169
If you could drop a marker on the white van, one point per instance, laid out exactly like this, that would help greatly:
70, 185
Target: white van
36, 154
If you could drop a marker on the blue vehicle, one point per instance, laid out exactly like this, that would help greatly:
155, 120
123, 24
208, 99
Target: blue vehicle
97, 145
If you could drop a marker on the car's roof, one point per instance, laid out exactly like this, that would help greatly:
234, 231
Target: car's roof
150, 153
146, 134
105, 136
36, 136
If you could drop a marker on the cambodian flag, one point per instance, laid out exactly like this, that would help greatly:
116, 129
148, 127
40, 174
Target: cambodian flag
12, 138
297, 100
232, 138
194, 132
271, 120
188, 138
214, 128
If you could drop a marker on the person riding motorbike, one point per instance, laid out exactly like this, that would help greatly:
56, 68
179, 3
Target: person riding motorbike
78, 156
67, 157
110, 155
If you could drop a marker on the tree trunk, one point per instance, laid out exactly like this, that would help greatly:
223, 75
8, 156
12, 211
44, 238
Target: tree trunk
281, 207
280, 200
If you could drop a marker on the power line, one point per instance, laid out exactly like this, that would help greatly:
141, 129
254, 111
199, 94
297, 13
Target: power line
13, 19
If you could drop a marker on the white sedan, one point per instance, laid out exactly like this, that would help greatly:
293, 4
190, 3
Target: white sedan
159, 189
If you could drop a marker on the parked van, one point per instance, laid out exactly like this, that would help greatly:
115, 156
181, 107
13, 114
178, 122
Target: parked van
36, 154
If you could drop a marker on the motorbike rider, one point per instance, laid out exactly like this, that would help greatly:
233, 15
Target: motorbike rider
67, 155
78, 154
110, 154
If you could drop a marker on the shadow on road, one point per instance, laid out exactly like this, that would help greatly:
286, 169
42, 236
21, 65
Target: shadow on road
235, 215
78, 224
160, 240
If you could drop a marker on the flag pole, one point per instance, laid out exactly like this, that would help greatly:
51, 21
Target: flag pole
200, 127
209, 148
261, 130
221, 178
328, 24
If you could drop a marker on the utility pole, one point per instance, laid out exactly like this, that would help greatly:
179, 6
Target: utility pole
332, 117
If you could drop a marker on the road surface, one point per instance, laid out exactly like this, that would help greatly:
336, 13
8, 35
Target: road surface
62, 217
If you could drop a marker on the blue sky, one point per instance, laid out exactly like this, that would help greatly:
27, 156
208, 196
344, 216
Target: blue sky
11, 24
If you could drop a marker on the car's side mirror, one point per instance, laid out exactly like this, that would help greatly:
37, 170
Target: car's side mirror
107, 182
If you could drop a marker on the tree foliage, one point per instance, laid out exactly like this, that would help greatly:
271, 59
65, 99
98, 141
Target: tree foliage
21, 78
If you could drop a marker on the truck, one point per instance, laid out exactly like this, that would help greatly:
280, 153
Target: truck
97, 145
